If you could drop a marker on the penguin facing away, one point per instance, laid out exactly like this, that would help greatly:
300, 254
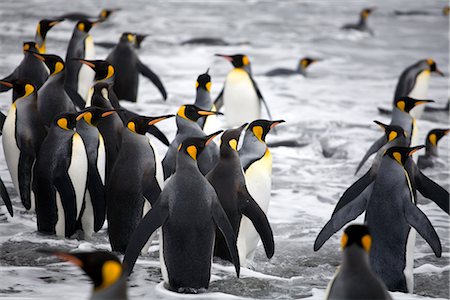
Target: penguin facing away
42, 29
60, 178
188, 211
203, 100
431, 148
135, 182
303, 64
227, 178
354, 279
389, 199
103, 268
362, 24
240, 95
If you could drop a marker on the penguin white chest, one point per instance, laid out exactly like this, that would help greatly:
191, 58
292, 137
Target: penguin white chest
240, 99
158, 166
258, 179
86, 74
12, 151
78, 169
420, 91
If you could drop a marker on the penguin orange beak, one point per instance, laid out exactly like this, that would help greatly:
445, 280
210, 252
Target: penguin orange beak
439, 72
108, 113
418, 102
55, 22
86, 62
37, 55
415, 149
275, 123
158, 119
62, 255
209, 113
210, 137
80, 116
227, 57
6, 83
380, 124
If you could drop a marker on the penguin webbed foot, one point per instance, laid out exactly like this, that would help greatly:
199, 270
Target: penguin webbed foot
190, 290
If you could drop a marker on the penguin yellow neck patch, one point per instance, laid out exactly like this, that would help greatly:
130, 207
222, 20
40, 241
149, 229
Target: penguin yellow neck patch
111, 272
62, 123
392, 136
258, 132
182, 112
233, 144
110, 72
192, 151
131, 126
366, 241
58, 68
29, 89
398, 157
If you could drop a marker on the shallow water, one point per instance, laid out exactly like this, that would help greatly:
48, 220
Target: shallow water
330, 111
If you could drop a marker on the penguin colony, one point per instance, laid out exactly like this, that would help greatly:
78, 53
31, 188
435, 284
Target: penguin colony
68, 144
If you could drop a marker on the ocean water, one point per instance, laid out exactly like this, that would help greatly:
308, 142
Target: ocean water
330, 112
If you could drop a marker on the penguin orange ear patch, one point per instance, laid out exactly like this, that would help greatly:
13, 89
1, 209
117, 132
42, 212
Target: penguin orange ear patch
192, 151
433, 139
258, 132
81, 26
131, 126
233, 144
111, 272
344, 240
245, 60
366, 242
208, 86
58, 67
62, 123
398, 157
401, 105
392, 135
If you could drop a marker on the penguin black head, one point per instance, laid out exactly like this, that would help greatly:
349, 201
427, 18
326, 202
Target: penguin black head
434, 68
106, 13
306, 61
141, 124
391, 131
366, 12
357, 235
435, 135
103, 69
194, 146
104, 268
45, 25
193, 113
230, 138
22, 88
102, 88
203, 81
85, 25
29, 46
53, 62
92, 115
66, 121
139, 39
128, 37
260, 128
407, 103
237, 60
401, 154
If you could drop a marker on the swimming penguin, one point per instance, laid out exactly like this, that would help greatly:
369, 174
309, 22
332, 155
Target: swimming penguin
355, 279
413, 82
135, 183
256, 161
102, 16
431, 150
60, 178
42, 29
52, 99
211, 41
227, 178
23, 133
186, 119
240, 95
137, 43
79, 77
104, 268
128, 67
29, 69
390, 199
203, 101
303, 64
189, 212
362, 24
401, 116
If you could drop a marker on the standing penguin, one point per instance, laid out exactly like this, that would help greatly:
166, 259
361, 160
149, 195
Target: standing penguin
228, 181
188, 211
128, 67
391, 211
135, 182
23, 133
355, 279
79, 77
42, 29
401, 116
362, 24
60, 177
413, 82
104, 269
203, 101
431, 150
186, 119
303, 64
256, 161
240, 95
52, 98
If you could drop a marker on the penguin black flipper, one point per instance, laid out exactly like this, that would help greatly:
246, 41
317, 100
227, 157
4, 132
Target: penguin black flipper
66, 191
9, 78
261, 98
2, 122
222, 222
154, 219
75, 97
417, 219
384, 111
107, 45
373, 149
153, 130
144, 70
354, 190
97, 191
431, 190
24, 174
5, 196
251, 210
348, 213
218, 103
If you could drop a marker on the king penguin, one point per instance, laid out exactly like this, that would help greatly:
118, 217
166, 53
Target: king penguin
240, 95
135, 183
60, 178
391, 211
23, 133
79, 77
431, 148
203, 101
256, 161
186, 119
227, 178
128, 67
189, 212
42, 29
103, 268
78, 16
355, 279
401, 116
362, 24
52, 99
303, 64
